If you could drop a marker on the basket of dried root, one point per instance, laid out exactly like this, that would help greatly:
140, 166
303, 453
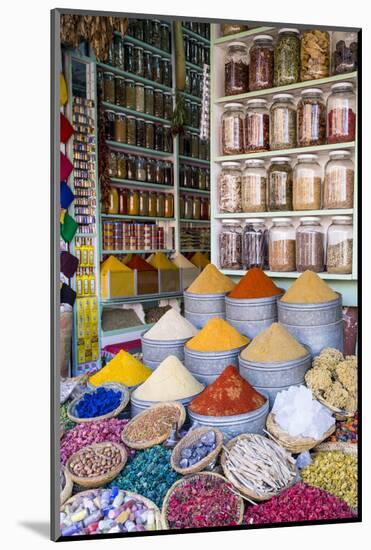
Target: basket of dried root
257, 466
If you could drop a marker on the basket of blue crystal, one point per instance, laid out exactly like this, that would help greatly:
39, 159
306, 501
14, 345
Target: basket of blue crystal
197, 450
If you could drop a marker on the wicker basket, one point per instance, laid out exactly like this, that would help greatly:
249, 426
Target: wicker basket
188, 440
160, 439
295, 445
346, 448
338, 413
180, 482
150, 505
97, 481
241, 488
67, 491
111, 385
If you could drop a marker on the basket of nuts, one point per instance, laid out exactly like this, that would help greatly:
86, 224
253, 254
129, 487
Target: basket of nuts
97, 464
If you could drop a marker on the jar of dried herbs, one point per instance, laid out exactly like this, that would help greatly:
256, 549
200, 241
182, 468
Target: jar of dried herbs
159, 137
109, 87
195, 143
140, 169
121, 166
150, 170
168, 138
339, 181
345, 52
131, 130
120, 91
131, 167
261, 63
149, 100
282, 245
159, 171
314, 55
112, 164
340, 245
230, 245
120, 127
287, 57
141, 133
168, 105
156, 68
109, 125
233, 124
236, 69
159, 103
165, 37
311, 115
226, 29
156, 33
282, 130
307, 185
229, 187
255, 244
280, 184
165, 72
310, 245
150, 134
257, 126
254, 186
138, 61
139, 97
130, 95
147, 62
129, 57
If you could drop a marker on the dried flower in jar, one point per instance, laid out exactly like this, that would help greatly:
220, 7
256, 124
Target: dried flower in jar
311, 116
233, 129
261, 63
315, 55
229, 187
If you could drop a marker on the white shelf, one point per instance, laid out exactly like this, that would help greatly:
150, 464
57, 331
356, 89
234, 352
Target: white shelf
290, 274
289, 214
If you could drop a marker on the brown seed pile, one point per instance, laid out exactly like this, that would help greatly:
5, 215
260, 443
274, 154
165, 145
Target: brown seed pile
95, 461
156, 423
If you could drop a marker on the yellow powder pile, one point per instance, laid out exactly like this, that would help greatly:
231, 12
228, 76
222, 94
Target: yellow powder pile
217, 335
309, 288
169, 382
182, 262
274, 344
200, 260
123, 369
211, 281
113, 264
160, 261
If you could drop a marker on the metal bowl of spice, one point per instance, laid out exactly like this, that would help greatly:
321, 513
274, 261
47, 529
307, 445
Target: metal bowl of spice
206, 366
199, 308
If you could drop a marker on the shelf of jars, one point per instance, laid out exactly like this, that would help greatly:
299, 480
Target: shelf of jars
139, 114
149, 47
318, 149
117, 146
193, 67
142, 218
195, 35
191, 97
295, 89
133, 76
192, 191
120, 182
224, 40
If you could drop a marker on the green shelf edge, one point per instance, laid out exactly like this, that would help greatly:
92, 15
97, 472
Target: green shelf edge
241, 35
191, 160
192, 191
142, 218
194, 67
191, 97
125, 110
204, 222
142, 150
118, 182
133, 76
200, 38
128, 330
146, 46
288, 152
289, 88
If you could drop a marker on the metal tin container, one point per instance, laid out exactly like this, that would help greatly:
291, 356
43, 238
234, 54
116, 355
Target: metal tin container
318, 326
199, 308
138, 405
270, 378
251, 316
155, 351
206, 366
231, 426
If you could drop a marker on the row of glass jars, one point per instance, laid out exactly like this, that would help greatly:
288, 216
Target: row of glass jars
203, 29
192, 111
196, 52
136, 96
253, 188
139, 132
284, 249
155, 32
292, 59
285, 125
194, 177
194, 207
136, 168
133, 202
193, 82
190, 145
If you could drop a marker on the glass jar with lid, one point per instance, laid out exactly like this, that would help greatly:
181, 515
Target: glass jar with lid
195, 115
131, 167
168, 105
169, 205
307, 184
138, 61
112, 164
149, 100
147, 64
168, 173
236, 69
339, 181
230, 245
254, 186
109, 125
159, 103
280, 184
165, 72
282, 130
139, 97
159, 172
120, 91
168, 138
143, 203
120, 127
344, 52
121, 166
131, 130
311, 118
195, 142
123, 201
282, 245
160, 205
140, 169
233, 124
118, 51
129, 57
113, 207
202, 179
188, 206
341, 113
257, 126
314, 55
255, 244
340, 245
139, 29
133, 202
229, 187
185, 175
165, 37
196, 211
156, 68
287, 57
156, 33
130, 95
226, 29
204, 209
152, 206
194, 177
141, 133
109, 87
261, 63
150, 134
159, 137
310, 245
150, 170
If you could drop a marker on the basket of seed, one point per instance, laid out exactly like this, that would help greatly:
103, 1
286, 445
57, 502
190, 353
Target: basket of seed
154, 425
258, 467
197, 450
97, 464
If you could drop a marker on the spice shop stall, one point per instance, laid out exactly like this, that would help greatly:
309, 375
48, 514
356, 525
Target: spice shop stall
206, 386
